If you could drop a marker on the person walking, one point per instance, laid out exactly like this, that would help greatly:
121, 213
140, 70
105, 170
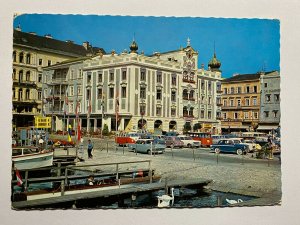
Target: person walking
90, 149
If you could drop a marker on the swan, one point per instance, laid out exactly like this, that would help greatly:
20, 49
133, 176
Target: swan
164, 200
234, 201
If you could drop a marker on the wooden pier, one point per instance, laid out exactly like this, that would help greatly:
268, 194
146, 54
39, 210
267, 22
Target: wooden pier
65, 195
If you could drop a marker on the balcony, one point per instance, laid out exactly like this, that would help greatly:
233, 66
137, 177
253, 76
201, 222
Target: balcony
219, 91
188, 81
219, 104
188, 116
219, 118
188, 99
25, 83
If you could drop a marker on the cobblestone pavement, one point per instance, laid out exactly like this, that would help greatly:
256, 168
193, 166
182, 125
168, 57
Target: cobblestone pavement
261, 180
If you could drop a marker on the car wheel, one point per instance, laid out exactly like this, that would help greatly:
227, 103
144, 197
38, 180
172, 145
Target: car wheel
133, 149
217, 150
148, 152
189, 145
239, 151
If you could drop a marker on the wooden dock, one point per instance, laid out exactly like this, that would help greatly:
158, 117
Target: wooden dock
117, 190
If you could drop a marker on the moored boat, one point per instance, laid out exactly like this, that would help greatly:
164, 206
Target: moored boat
29, 157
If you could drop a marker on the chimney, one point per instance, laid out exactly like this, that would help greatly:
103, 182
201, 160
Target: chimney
48, 36
86, 45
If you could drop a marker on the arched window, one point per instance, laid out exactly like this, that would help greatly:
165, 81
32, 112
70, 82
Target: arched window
185, 94
185, 111
21, 57
191, 112
28, 76
14, 93
28, 56
20, 94
192, 94
14, 56
14, 74
27, 95
20, 75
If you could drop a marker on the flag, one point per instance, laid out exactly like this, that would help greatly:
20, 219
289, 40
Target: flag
89, 106
78, 132
69, 133
66, 104
19, 178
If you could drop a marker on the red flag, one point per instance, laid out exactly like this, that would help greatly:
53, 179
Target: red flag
19, 178
78, 133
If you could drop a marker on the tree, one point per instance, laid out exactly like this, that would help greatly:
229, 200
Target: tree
105, 130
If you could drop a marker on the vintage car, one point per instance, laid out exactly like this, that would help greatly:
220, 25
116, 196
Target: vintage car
189, 141
174, 141
147, 146
249, 142
228, 145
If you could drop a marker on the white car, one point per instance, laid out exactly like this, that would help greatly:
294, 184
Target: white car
250, 145
189, 142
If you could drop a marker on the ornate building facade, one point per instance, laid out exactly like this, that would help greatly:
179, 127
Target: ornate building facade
132, 91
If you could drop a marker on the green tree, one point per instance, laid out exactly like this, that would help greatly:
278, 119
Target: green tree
105, 130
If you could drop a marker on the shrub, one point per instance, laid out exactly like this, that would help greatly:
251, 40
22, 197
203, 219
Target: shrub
105, 131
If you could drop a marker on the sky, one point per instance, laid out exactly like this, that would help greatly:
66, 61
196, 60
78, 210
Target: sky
243, 46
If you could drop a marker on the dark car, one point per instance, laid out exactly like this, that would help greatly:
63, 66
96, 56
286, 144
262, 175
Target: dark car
228, 145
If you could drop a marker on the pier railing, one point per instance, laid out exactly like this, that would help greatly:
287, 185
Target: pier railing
62, 175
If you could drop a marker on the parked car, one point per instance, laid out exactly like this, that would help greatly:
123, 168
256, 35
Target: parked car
174, 141
250, 143
146, 145
228, 145
189, 141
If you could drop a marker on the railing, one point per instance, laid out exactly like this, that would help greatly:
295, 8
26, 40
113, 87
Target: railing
188, 81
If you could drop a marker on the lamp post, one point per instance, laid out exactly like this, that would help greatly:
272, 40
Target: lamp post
102, 118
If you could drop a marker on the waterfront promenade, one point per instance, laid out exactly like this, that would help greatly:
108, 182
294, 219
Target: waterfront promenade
230, 173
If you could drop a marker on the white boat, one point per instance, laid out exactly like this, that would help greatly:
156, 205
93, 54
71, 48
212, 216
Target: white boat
29, 157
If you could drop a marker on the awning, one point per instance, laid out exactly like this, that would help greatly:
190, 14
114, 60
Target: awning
267, 127
235, 127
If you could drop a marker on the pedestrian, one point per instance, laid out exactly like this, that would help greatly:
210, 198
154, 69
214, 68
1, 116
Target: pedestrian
90, 149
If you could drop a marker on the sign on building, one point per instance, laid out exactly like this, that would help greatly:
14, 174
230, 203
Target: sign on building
42, 122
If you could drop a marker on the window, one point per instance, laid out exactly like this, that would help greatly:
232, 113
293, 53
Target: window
158, 110
173, 79
14, 93
21, 57
266, 114
209, 100
111, 76
100, 77
111, 92
27, 96
39, 95
40, 78
235, 115
173, 96
247, 102
14, 74
224, 102
268, 98
142, 109
191, 112
246, 115
275, 113
224, 116
80, 73
99, 93
225, 90
123, 92
266, 85
143, 92
203, 86
239, 90
143, 76
40, 62
209, 114
88, 94
255, 115
232, 90
231, 102
173, 112
159, 78
124, 75
202, 114
28, 76
14, 56
209, 86
28, 57
158, 94
185, 94
49, 62
21, 75
79, 90
20, 93
254, 101
192, 95
255, 89
239, 102
89, 78
247, 89
72, 74
71, 107
276, 97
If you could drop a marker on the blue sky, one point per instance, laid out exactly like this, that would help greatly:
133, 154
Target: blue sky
242, 45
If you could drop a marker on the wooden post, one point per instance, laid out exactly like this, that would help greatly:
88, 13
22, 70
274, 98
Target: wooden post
117, 171
26, 180
150, 171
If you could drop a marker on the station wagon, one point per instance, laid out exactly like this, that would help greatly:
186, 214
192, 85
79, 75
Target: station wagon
228, 145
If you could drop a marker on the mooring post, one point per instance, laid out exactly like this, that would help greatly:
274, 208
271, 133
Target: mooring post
26, 179
150, 171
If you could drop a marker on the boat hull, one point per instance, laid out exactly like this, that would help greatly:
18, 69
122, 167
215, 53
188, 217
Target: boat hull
33, 161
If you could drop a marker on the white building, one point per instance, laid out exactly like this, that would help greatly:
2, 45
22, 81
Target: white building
161, 92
